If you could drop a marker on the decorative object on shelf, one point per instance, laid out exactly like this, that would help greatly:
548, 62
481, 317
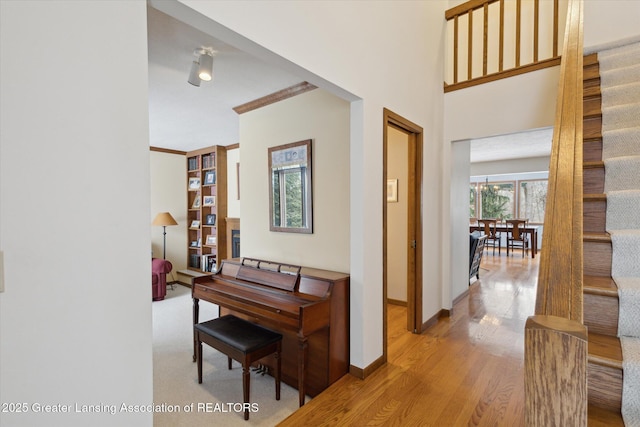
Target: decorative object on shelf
209, 201
164, 219
210, 178
194, 183
211, 219
195, 224
209, 263
290, 188
202, 69
392, 190
196, 202
211, 240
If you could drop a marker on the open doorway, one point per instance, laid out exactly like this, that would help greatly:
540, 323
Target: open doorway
402, 220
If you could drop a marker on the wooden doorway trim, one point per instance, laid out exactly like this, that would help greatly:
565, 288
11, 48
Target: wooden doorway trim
414, 208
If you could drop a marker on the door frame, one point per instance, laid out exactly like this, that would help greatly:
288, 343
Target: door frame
414, 208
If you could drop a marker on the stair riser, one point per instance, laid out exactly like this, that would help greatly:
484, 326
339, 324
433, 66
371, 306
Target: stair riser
601, 314
605, 386
597, 258
594, 216
591, 107
593, 181
592, 150
591, 71
592, 127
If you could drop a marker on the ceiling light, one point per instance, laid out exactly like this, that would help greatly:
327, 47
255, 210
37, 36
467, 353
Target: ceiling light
205, 71
201, 68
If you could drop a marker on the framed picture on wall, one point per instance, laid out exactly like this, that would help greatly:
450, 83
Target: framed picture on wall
392, 190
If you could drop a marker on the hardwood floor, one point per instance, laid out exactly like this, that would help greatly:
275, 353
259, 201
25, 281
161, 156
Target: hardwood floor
466, 370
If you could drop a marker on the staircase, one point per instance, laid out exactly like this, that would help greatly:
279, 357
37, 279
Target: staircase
601, 294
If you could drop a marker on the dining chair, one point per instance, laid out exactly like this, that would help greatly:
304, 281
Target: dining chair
488, 227
516, 236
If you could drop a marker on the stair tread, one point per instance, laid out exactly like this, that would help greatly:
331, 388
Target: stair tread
605, 350
593, 165
596, 237
600, 417
600, 285
598, 197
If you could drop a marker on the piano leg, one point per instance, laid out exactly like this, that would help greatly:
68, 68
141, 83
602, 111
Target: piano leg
196, 315
302, 365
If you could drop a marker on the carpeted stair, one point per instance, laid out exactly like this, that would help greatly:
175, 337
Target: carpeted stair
620, 88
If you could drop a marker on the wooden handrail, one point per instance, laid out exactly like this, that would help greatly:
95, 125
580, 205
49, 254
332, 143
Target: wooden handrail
482, 46
555, 338
560, 275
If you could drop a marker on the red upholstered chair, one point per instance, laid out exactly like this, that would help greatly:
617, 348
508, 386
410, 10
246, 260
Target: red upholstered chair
159, 270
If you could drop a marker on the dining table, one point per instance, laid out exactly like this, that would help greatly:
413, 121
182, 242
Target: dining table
531, 230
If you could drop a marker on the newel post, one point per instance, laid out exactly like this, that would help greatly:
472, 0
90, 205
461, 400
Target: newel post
555, 362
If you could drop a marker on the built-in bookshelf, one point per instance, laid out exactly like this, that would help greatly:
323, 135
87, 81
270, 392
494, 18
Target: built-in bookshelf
206, 208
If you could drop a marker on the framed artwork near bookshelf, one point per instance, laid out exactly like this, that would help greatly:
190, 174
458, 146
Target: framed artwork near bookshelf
210, 219
211, 240
210, 178
196, 202
195, 224
209, 201
194, 183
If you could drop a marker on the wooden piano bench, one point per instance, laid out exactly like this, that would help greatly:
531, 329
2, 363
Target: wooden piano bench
243, 341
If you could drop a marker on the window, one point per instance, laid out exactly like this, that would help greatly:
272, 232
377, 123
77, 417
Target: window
497, 200
532, 196
473, 200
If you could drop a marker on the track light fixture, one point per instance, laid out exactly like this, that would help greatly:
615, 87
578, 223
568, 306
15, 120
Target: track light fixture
202, 68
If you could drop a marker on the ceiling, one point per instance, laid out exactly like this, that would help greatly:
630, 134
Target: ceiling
185, 117
533, 143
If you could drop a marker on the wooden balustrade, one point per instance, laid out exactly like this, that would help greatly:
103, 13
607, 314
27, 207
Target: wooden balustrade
540, 27
555, 338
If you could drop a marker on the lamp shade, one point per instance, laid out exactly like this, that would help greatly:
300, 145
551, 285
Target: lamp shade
164, 218
193, 74
205, 71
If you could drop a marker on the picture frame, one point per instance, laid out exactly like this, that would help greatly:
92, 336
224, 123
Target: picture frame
210, 219
210, 178
194, 183
195, 224
392, 190
211, 240
209, 201
194, 244
196, 202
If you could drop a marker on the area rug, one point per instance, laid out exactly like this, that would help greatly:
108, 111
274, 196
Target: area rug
215, 401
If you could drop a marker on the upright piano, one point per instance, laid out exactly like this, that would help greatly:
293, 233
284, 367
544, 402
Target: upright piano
308, 306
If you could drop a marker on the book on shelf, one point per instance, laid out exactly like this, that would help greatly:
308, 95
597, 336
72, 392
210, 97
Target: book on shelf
193, 163
209, 263
209, 161
194, 261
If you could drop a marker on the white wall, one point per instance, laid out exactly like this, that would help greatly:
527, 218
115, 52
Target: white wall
317, 40
323, 118
233, 198
530, 164
75, 318
397, 215
169, 194
610, 21
459, 207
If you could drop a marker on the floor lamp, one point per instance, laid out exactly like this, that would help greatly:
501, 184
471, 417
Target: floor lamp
164, 219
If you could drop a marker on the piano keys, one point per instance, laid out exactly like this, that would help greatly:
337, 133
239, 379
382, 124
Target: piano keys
309, 307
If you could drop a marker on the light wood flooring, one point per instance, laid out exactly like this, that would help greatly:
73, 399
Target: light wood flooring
466, 370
